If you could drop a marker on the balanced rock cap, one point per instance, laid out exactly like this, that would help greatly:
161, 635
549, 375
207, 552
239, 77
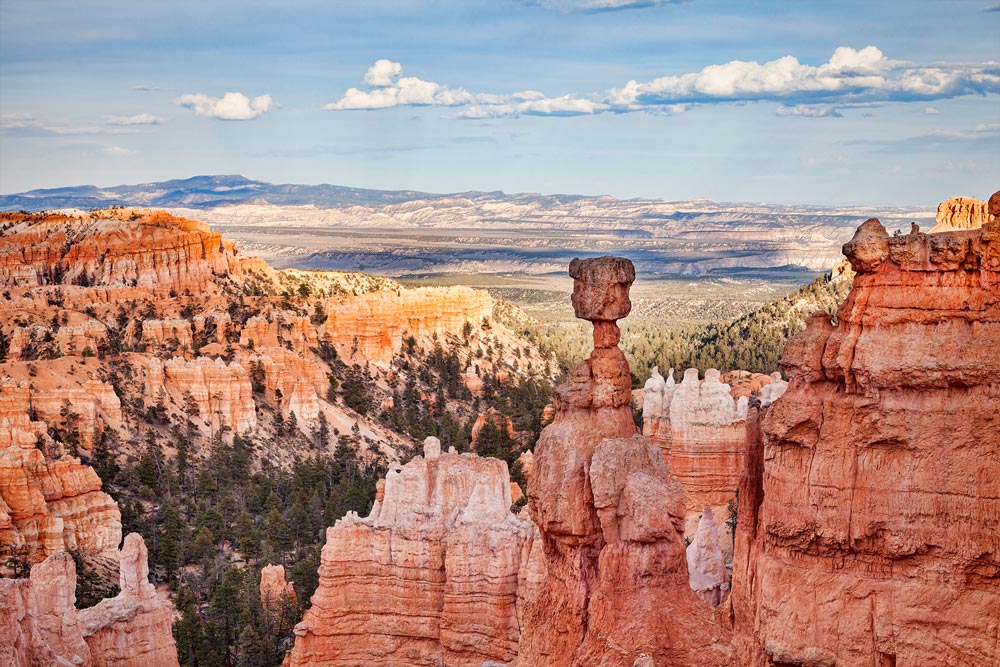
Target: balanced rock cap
600, 288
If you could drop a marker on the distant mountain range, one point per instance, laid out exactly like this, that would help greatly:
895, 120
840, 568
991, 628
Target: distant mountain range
203, 192
404, 232
208, 192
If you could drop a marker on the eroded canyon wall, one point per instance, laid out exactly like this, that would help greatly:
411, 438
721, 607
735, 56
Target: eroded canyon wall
868, 516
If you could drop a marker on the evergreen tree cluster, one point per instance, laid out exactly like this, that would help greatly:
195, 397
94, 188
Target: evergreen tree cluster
212, 522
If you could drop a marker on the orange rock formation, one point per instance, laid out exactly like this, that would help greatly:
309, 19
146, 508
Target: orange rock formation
610, 517
47, 506
430, 577
961, 213
868, 516
275, 591
103, 248
372, 326
39, 624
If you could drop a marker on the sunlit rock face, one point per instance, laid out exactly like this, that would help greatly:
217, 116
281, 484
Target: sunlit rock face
961, 213
372, 326
867, 527
610, 517
435, 575
47, 506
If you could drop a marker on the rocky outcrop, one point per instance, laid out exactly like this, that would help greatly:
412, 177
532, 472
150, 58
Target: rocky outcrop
498, 421
47, 506
114, 247
40, 625
700, 428
960, 213
221, 392
609, 516
275, 591
430, 577
372, 326
706, 566
132, 629
867, 519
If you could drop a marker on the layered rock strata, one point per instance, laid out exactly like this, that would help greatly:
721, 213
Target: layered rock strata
960, 213
867, 520
47, 506
372, 326
609, 515
163, 253
700, 427
431, 577
39, 624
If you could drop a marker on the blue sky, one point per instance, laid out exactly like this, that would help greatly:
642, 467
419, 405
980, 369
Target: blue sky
805, 102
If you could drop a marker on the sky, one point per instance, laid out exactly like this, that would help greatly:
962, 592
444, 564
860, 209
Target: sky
848, 102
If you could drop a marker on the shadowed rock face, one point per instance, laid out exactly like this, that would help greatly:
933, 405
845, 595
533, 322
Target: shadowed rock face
610, 517
867, 527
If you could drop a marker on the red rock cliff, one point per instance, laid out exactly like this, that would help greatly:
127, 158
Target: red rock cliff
868, 518
610, 517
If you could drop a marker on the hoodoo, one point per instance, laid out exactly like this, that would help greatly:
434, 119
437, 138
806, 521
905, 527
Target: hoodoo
868, 515
610, 517
430, 577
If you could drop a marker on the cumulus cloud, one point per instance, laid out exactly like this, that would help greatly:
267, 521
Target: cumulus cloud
138, 119
383, 73
231, 106
851, 78
598, 6
389, 89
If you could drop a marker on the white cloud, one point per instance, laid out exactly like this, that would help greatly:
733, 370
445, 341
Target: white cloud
851, 78
18, 121
931, 110
389, 89
31, 125
383, 73
231, 106
116, 151
848, 72
138, 119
